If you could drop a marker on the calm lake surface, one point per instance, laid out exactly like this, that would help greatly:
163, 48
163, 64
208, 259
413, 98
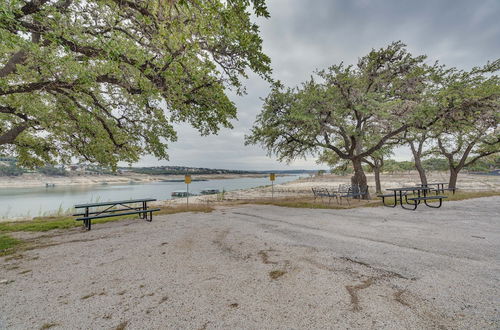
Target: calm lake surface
37, 201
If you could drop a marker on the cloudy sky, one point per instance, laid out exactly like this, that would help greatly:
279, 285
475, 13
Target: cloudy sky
302, 36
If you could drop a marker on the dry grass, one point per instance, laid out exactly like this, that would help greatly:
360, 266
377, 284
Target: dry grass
197, 208
311, 203
275, 274
122, 325
48, 325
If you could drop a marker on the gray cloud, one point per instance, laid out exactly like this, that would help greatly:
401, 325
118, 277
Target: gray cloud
302, 36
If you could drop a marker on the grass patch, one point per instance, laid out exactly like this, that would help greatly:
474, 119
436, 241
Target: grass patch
49, 223
42, 224
48, 325
310, 203
8, 244
197, 208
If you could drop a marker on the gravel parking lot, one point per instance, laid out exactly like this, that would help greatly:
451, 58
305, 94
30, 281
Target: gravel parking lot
265, 267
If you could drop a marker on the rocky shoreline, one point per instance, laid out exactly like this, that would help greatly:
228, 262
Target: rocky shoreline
39, 180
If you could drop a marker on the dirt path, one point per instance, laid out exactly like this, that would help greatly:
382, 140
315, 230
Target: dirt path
265, 267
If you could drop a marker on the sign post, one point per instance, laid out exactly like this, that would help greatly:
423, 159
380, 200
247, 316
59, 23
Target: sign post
187, 180
272, 177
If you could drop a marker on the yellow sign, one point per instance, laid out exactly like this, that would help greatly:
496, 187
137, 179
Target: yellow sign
187, 179
272, 176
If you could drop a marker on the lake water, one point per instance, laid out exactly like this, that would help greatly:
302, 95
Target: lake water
37, 201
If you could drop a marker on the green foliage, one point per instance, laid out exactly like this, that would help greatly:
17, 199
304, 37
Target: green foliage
106, 81
485, 164
393, 166
10, 168
471, 130
435, 164
52, 171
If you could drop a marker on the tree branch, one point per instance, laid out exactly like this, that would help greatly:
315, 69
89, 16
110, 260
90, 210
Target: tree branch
11, 135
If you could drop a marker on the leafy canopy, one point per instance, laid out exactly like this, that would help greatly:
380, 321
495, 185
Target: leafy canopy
105, 81
349, 110
471, 130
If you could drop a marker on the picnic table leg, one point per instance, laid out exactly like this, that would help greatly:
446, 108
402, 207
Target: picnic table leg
86, 223
406, 199
435, 207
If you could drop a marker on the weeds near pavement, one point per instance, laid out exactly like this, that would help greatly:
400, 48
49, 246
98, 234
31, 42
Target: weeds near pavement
9, 245
275, 274
310, 203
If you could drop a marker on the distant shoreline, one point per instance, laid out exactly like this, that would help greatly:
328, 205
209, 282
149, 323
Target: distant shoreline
40, 180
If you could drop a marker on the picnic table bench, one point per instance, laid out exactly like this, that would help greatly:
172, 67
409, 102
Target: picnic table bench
323, 192
110, 210
344, 191
351, 191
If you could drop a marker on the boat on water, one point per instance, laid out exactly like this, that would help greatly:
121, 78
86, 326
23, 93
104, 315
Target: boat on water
181, 193
210, 191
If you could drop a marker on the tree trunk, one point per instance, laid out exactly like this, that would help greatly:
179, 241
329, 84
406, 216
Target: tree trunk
453, 177
359, 177
418, 161
376, 172
420, 170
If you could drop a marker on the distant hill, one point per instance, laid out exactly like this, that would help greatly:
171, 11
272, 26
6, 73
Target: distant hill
8, 167
180, 170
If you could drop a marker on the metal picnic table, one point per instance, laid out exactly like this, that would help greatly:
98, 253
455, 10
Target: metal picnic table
413, 201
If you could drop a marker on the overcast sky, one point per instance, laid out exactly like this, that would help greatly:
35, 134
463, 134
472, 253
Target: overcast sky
302, 36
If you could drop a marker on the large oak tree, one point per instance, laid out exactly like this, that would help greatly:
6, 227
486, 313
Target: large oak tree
350, 110
106, 80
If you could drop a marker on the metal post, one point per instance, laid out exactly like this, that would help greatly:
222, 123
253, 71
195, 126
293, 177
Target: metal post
272, 190
187, 196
